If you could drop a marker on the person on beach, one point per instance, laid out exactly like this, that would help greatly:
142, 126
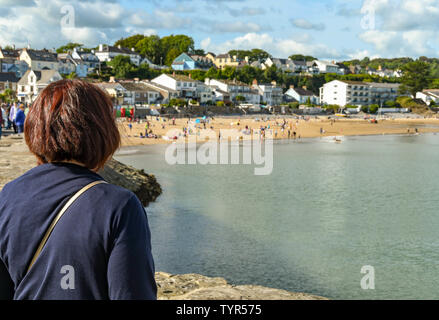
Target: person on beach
100, 247
12, 114
1, 121
19, 119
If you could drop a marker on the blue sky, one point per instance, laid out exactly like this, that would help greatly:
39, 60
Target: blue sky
330, 29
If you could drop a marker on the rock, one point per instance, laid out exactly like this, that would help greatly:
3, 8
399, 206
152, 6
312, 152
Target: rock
144, 185
199, 287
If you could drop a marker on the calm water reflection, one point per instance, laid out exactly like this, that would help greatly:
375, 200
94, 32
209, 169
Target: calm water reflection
325, 211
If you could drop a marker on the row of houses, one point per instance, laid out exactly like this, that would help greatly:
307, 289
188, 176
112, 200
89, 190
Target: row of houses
81, 62
186, 61
165, 87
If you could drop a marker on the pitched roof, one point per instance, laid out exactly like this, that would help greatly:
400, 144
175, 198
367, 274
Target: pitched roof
303, 92
234, 83
8, 76
43, 76
158, 86
136, 86
180, 77
42, 55
223, 55
10, 53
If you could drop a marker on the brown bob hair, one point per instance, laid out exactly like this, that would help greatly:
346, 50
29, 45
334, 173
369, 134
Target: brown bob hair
72, 120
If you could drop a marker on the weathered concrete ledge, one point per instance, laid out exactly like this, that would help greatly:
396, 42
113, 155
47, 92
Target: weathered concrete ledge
198, 287
15, 159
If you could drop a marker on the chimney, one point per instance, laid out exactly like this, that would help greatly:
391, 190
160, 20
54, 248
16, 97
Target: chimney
173, 73
101, 47
246, 59
132, 49
292, 86
112, 79
274, 83
234, 58
255, 82
190, 76
136, 80
304, 87
119, 46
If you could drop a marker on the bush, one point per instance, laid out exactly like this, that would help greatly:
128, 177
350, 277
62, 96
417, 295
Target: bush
391, 104
332, 107
293, 105
365, 109
373, 108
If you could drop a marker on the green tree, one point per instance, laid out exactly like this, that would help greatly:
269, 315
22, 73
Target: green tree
122, 66
415, 77
151, 47
68, 47
373, 108
171, 55
129, 42
253, 55
301, 57
72, 75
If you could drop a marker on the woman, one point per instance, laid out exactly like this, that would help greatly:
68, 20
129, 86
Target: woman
20, 118
100, 246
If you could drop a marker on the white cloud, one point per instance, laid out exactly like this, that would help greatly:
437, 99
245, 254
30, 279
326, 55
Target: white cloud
305, 24
404, 28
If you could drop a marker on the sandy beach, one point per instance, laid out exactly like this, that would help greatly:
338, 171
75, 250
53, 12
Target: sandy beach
304, 128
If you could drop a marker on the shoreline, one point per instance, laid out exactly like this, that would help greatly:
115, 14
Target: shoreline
304, 128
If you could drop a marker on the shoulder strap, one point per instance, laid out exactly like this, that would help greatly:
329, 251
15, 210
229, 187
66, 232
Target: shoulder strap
58, 216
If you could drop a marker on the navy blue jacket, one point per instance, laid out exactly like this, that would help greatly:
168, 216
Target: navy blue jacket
20, 117
102, 240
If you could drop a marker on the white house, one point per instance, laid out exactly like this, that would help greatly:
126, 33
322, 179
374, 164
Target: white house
85, 62
342, 92
428, 96
326, 67
204, 93
186, 86
107, 53
302, 95
33, 82
166, 94
270, 94
236, 88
